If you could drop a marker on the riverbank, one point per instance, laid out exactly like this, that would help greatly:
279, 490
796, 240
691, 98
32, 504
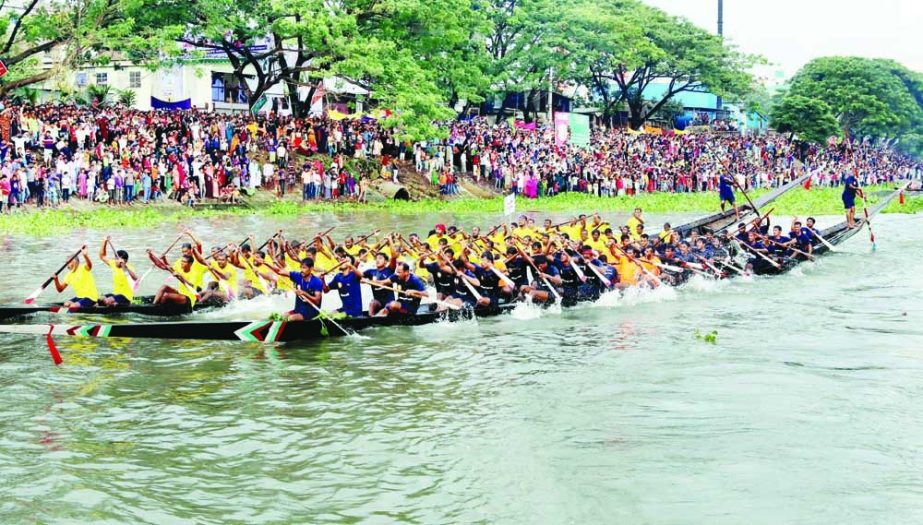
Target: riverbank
817, 201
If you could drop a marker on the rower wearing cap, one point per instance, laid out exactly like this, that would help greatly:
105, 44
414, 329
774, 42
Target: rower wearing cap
122, 288
436, 236
81, 280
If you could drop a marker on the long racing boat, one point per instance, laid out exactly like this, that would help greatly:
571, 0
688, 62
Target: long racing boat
271, 331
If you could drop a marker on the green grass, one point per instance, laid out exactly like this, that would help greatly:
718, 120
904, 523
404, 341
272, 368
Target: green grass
817, 201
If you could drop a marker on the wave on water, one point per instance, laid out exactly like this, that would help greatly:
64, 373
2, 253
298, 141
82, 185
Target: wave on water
256, 308
528, 310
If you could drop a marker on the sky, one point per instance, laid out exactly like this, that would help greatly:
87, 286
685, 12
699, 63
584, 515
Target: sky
789, 33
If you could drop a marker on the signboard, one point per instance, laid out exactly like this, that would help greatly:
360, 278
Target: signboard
561, 125
259, 105
579, 130
509, 204
3, 69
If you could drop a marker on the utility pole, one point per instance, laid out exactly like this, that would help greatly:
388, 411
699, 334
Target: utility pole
550, 96
721, 34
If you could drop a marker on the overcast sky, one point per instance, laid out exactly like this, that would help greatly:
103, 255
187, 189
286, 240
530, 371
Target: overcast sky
791, 32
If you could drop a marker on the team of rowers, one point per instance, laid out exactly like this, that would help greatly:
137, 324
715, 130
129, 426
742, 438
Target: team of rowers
573, 261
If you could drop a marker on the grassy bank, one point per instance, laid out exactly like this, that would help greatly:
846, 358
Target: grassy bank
817, 201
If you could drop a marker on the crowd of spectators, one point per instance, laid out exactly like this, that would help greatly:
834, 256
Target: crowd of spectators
118, 156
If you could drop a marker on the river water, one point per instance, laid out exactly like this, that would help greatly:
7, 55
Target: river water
805, 410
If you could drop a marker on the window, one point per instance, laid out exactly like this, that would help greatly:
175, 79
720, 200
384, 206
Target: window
81, 79
226, 88
102, 79
134, 79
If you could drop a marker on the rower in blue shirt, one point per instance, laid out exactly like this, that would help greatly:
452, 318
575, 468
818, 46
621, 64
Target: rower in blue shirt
850, 188
779, 243
348, 284
726, 192
309, 290
383, 270
412, 290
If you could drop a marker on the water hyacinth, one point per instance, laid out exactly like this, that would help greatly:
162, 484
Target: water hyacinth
817, 201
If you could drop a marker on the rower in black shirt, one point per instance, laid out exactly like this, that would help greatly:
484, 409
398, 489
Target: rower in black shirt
492, 287
516, 268
570, 279
443, 276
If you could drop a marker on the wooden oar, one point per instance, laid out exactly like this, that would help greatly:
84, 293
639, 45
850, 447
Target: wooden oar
541, 275
164, 254
401, 293
32, 296
727, 262
464, 279
760, 254
750, 202
868, 222
503, 276
322, 314
325, 233
643, 269
606, 282
820, 237
362, 239
115, 252
796, 250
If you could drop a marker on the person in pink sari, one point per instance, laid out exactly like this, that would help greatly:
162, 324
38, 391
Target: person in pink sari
82, 184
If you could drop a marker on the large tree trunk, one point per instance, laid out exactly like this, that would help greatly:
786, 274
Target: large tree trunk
636, 116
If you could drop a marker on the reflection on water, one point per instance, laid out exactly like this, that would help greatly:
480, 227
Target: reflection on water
804, 410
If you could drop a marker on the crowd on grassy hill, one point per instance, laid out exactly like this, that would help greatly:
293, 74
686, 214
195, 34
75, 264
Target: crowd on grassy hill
119, 156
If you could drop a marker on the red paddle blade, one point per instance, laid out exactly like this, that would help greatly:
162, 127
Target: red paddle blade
32, 296
52, 348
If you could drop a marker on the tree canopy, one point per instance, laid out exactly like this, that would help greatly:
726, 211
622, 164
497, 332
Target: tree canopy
420, 58
811, 119
874, 98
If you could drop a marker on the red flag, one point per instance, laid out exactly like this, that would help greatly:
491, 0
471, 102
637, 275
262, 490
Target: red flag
901, 197
807, 183
52, 348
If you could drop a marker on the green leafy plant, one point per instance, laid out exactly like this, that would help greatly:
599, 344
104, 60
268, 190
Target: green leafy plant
98, 93
127, 97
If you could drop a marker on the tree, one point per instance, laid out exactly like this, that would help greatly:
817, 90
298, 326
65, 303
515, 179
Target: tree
76, 32
870, 97
669, 50
526, 47
811, 119
391, 49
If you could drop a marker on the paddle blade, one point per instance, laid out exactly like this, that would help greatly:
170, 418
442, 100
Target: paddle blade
33, 296
807, 183
900, 198
53, 348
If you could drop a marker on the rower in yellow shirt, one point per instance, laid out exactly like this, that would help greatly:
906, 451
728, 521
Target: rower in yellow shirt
438, 234
81, 280
123, 276
633, 222
185, 292
199, 265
